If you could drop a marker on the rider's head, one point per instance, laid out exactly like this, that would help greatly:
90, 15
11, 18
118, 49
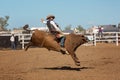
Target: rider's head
50, 17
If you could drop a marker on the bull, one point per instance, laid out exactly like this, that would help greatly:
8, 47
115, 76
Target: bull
46, 40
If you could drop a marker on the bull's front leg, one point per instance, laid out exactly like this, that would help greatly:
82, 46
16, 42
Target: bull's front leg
76, 60
74, 57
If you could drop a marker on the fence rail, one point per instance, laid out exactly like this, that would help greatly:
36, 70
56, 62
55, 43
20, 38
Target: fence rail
24, 39
94, 38
107, 37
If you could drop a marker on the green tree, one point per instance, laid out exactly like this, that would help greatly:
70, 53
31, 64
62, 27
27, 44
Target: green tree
80, 28
3, 22
118, 25
68, 27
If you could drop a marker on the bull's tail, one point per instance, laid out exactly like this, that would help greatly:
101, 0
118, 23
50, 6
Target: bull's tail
26, 28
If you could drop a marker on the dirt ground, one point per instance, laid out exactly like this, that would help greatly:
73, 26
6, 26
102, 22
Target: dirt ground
101, 62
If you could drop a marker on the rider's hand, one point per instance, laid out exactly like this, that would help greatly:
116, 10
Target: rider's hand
42, 20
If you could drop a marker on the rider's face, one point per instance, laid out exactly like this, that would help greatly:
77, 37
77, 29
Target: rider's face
51, 18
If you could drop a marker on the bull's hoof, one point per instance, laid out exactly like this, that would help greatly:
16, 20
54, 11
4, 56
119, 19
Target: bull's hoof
25, 49
77, 63
64, 51
67, 52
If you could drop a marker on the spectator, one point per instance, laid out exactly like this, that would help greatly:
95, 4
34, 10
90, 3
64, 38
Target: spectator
12, 39
100, 31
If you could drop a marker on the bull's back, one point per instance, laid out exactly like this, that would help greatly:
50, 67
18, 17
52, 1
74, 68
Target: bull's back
43, 39
37, 37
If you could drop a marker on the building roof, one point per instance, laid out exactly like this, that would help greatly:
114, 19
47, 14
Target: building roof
68, 31
110, 28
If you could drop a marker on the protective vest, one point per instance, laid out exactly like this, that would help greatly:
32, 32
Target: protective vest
50, 27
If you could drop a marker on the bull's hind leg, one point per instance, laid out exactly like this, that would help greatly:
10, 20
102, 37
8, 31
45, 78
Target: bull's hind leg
28, 45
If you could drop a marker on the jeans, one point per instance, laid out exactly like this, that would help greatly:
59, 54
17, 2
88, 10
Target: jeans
62, 41
13, 45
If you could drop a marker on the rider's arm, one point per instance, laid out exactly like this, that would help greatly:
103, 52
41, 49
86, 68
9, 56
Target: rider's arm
43, 21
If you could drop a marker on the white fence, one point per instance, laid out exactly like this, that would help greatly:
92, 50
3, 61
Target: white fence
108, 37
24, 39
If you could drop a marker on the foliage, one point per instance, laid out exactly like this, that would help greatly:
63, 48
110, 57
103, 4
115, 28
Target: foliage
119, 25
68, 27
80, 28
3, 22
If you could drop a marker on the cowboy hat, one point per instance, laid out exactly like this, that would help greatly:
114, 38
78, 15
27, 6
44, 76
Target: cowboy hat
50, 16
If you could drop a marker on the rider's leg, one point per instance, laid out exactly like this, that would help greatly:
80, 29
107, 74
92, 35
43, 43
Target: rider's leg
62, 41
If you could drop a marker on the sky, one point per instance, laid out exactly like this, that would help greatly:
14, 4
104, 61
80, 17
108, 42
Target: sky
67, 12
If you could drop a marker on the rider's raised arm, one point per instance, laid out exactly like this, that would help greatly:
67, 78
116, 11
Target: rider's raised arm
43, 21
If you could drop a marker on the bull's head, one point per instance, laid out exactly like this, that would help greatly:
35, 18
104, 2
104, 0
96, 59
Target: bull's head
84, 39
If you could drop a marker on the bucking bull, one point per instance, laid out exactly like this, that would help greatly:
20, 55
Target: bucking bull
46, 40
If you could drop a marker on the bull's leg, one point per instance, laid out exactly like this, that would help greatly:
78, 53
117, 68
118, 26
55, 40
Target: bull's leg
63, 51
28, 45
76, 60
74, 57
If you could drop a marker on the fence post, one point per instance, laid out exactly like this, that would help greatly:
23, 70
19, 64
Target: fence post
22, 41
94, 39
18, 37
117, 38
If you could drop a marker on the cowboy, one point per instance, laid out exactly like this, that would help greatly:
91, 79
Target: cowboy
54, 28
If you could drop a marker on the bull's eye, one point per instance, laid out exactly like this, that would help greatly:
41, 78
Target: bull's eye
82, 35
84, 39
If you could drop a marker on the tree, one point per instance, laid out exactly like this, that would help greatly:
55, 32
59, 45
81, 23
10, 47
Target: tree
118, 25
80, 28
3, 22
68, 27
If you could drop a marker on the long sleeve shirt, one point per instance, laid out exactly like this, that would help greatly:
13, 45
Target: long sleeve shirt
54, 24
12, 39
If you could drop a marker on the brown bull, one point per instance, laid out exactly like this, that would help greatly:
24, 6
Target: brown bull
72, 42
